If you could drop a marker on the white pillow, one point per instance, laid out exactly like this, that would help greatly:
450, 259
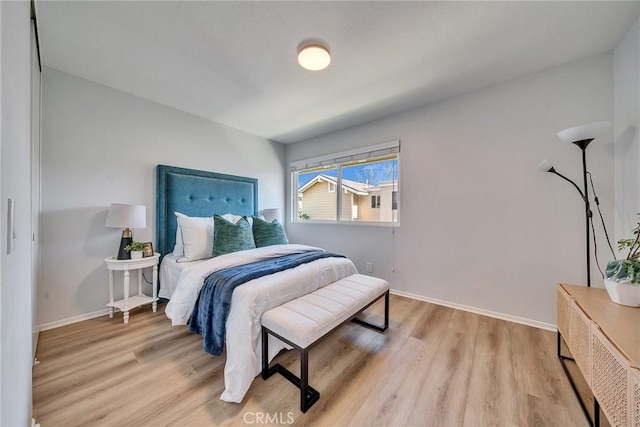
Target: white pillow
197, 237
235, 218
231, 217
178, 248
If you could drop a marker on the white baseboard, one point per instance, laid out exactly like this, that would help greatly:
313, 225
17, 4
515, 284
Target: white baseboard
529, 322
494, 314
74, 319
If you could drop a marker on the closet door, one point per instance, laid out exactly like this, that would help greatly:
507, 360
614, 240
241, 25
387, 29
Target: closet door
35, 184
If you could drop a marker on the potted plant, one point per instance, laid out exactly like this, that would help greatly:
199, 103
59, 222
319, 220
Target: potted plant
135, 249
622, 278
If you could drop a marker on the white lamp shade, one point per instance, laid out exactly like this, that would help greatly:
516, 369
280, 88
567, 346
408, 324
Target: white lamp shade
126, 216
580, 133
544, 166
314, 57
271, 214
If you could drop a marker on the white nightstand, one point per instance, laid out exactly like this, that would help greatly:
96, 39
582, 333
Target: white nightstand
128, 302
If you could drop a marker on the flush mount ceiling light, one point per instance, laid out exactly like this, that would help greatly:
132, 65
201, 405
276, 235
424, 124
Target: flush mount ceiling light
314, 57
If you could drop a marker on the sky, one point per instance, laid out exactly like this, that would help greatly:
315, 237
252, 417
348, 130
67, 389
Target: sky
379, 171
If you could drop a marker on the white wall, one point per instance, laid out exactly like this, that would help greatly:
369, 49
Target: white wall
627, 115
15, 286
479, 225
100, 146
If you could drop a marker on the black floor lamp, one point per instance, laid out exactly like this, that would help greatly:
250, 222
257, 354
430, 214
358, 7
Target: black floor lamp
581, 136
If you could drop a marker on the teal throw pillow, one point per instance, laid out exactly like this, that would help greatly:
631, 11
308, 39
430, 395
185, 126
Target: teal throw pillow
229, 237
268, 233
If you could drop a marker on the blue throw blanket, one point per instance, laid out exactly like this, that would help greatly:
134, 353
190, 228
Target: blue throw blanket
209, 316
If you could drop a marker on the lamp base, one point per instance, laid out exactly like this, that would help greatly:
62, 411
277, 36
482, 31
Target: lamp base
125, 241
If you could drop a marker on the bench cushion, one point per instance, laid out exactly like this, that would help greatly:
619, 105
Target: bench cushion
306, 319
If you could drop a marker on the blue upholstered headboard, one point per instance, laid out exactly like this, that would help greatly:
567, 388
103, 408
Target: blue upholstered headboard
199, 193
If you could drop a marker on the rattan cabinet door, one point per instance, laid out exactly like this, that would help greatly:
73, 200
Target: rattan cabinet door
634, 394
610, 379
580, 340
564, 312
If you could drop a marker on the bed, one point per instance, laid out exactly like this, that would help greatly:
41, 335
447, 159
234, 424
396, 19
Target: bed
199, 195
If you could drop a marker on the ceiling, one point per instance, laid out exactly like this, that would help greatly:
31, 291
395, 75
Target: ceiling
234, 62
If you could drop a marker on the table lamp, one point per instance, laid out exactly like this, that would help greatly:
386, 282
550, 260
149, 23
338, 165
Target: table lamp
126, 217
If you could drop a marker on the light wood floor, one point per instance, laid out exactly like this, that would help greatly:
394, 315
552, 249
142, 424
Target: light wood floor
434, 366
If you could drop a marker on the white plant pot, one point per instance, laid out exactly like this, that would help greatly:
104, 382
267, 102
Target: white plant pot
623, 293
136, 254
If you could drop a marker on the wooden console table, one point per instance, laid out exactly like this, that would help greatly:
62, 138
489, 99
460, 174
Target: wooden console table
604, 340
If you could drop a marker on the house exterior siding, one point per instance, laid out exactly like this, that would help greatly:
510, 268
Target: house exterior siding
347, 205
367, 213
386, 198
319, 203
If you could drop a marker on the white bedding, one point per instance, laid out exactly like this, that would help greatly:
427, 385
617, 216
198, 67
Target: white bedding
249, 302
169, 273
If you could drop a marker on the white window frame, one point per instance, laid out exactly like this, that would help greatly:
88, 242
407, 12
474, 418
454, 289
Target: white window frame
338, 159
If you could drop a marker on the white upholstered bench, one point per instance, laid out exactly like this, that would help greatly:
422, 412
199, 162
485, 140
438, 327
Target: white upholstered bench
304, 321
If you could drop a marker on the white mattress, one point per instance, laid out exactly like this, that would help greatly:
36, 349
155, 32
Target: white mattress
170, 271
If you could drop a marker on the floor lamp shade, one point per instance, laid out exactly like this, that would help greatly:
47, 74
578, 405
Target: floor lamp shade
126, 217
584, 132
545, 166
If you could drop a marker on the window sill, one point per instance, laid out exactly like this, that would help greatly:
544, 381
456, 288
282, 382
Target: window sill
356, 223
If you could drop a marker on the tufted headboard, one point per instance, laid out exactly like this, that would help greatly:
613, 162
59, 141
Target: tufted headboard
198, 193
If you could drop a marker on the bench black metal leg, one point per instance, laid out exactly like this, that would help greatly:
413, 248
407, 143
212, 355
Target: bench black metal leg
308, 395
265, 354
386, 310
386, 317
304, 379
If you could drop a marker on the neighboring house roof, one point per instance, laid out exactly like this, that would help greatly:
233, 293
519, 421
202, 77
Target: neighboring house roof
354, 187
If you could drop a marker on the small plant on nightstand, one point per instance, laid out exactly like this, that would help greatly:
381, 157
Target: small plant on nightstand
134, 246
135, 249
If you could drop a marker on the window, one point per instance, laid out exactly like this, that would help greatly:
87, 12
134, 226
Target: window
356, 186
